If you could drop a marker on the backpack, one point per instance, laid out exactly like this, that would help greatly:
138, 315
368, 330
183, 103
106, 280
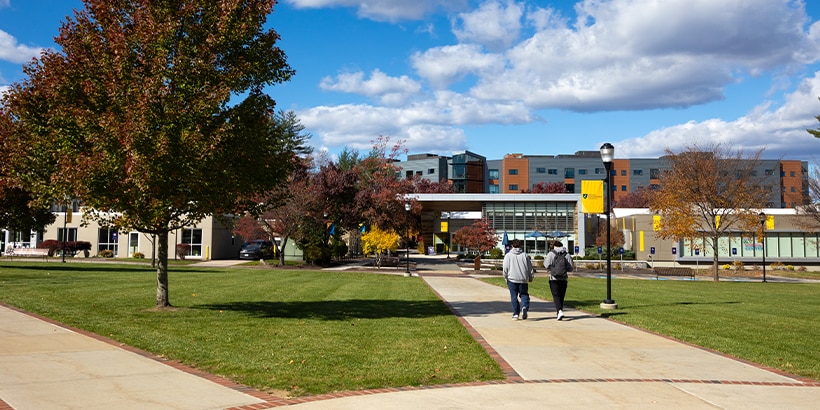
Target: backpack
560, 267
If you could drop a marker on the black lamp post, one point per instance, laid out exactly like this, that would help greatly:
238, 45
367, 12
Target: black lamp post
607, 155
763, 241
407, 266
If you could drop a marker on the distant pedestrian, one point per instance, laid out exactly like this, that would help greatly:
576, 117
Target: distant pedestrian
518, 273
558, 263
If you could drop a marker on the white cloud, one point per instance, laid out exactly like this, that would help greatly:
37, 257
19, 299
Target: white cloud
13, 52
781, 132
357, 125
442, 66
629, 54
494, 25
386, 10
389, 90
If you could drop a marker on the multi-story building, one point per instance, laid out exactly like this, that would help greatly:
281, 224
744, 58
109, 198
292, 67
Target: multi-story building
466, 171
517, 173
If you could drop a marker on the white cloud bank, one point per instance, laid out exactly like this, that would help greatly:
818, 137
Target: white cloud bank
518, 58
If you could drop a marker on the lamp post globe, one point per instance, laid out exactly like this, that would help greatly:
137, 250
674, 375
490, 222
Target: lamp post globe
607, 156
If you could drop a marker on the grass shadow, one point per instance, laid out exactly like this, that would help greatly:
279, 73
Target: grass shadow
334, 309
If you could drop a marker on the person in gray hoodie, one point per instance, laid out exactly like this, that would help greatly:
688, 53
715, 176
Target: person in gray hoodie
518, 273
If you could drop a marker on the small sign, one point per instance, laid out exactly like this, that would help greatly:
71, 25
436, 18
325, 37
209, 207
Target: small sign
674, 250
697, 251
652, 250
621, 251
577, 249
600, 250
734, 251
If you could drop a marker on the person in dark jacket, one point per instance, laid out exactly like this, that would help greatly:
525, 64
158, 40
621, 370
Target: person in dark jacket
558, 280
518, 273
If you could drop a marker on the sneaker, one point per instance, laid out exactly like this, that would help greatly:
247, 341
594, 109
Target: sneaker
560, 314
524, 314
515, 317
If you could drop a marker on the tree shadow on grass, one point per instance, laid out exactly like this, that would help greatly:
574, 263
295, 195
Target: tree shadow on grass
335, 309
85, 267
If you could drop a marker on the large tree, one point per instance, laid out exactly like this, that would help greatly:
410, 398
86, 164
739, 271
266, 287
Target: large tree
153, 113
710, 192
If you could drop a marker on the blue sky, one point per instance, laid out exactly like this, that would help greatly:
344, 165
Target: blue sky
533, 77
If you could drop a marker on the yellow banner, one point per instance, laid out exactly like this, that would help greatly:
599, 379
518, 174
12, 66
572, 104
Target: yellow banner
444, 226
656, 223
640, 241
769, 222
592, 197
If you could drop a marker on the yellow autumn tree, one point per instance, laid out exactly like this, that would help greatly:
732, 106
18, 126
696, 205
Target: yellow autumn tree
378, 242
709, 192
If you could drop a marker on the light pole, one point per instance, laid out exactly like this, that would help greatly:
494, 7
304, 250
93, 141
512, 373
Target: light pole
407, 266
763, 241
607, 155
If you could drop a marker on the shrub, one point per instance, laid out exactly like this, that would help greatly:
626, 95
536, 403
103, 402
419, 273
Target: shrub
789, 267
802, 269
495, 253
539, 257
138, 255
737, 265
82, 246
726, 267
777, 266
106, 253
52, 245
183, 249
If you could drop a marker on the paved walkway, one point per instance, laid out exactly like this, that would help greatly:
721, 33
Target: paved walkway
583, 361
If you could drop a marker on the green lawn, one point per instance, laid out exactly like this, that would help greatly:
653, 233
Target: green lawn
292, 332
774, 324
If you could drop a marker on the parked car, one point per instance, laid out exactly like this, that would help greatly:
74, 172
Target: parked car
258, 249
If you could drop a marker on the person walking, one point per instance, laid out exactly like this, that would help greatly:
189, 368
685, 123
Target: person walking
518, 273
558, 263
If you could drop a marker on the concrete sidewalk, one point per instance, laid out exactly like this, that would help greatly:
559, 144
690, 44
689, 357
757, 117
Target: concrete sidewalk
581, 362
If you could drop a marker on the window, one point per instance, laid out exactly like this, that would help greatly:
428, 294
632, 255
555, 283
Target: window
623, 188
792, 174
431, 170
540, 170
637, 172
493, 174
582, 172
769, 172
133, 243
494, 189
72, 234
418, 173
654, 173
513, 187
552, 171
107, 240
512, 172
599, 171
192, 237
569, 172
623, 172
408, 174
614, 173
794, 189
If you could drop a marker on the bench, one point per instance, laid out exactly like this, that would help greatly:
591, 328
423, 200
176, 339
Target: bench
684, 272
27, 253
386, 261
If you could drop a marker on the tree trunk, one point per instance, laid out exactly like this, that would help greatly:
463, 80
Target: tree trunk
162, 271
715, 264
282, 250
